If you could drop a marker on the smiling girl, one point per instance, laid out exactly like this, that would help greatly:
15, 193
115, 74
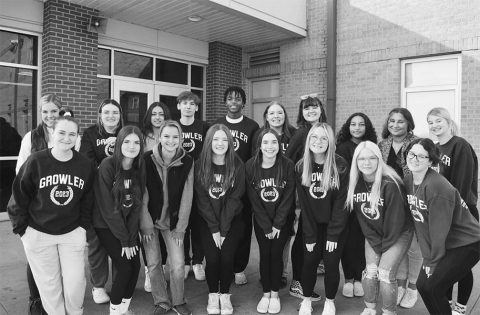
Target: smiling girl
119, 189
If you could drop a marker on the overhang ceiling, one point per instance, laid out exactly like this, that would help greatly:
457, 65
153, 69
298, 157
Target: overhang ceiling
218, 22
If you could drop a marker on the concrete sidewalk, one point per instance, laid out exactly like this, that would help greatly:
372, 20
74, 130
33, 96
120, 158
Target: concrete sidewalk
14, 290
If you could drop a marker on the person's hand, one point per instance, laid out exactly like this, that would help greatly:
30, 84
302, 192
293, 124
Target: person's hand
129, 252
110, 140
217, 239
178, 240
147, 237
427, 270
331, 246
310, 247
275, 233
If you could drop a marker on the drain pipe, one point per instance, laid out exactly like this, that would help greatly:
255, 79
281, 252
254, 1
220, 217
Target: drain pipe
331, 61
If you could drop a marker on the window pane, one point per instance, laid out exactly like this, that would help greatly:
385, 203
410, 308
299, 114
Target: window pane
134, 106
431, 73
171, 102
197, 76
103, 61
135, 66
18, 48
171, 71
266, 89
103, 90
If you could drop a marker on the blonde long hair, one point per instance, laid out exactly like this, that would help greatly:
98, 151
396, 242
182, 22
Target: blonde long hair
382, 170
443, 113
330, 178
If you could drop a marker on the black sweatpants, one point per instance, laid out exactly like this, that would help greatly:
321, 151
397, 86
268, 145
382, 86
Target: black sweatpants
453, 267
353, 257
243, 251
219, 262
126, 277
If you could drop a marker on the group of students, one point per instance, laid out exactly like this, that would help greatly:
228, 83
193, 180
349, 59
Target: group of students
393, 213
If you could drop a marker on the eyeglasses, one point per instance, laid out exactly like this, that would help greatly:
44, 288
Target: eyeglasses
312, 95
371, 159
419, 157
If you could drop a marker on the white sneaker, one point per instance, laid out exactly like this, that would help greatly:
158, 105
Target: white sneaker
213, 306
358, 289
240, 278
368, 311
187, 271
226, 307
115, 309
409, 299
274, 307
347, 290
400, 294
199, 272
100, 296
147, 286
328, 307
262, 306
305, 307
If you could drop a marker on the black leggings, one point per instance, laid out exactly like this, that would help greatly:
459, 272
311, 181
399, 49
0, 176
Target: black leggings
271, 256
219, 262
353, 257
453, 267
192, 237
243, 251
125, 280
330, 259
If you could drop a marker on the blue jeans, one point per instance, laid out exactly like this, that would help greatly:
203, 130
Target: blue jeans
411, 263
380, 271
176, 260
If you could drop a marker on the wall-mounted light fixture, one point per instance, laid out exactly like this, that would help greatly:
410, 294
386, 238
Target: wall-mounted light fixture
97, 24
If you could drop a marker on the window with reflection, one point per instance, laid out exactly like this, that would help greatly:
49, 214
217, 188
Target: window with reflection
103, 63
135, 66
103, 90
171, 71
197, 76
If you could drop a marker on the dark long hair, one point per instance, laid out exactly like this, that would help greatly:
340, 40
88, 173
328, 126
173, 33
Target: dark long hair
344, 134
137, 170
101, 128
205, 171
309, 101
286, 128
258, 157
405, 113
147, 119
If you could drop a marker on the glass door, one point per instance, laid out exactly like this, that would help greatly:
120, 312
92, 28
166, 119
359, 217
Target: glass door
134, 98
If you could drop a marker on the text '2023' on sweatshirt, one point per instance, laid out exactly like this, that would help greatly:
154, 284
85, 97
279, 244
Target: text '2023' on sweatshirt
193, 137
320, 206
272, 202
442, 219
52, 196
382, 225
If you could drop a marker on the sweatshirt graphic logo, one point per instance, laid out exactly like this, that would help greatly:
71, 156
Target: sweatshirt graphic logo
189, 140
238, 135
188, 145
368, 212
109, 146
61, 192
216, 191
268, 192
415, 204
316, 190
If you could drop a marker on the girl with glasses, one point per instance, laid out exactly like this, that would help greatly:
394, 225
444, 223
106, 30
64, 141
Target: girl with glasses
448, 233
377, 195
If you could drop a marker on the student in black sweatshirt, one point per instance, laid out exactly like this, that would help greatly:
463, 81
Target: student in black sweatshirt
459, 165
193, 132
447, 232
219, 187
322, 179
119, 187
242, 129
275, 117
377, 196
98, 142
310, 111
356, 128
50, 209
271, 189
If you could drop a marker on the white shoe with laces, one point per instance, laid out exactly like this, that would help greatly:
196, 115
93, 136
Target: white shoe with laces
262, 306
368, 311
305, 307
226, 307
199, 272
409, 299
274, 307
347, 290
100, 296
213, 306
329, 307
358, 289
400, 294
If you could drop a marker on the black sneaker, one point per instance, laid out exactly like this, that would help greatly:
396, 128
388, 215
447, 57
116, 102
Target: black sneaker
297, 291
35, 307
182, 309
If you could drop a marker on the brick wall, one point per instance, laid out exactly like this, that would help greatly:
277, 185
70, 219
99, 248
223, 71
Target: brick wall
224, 69
302, 61
69, 58
373, 36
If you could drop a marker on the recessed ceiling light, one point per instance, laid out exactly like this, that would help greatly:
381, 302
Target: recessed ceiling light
195, 18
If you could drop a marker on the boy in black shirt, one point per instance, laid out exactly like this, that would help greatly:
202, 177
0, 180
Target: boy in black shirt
193, 133
242, 129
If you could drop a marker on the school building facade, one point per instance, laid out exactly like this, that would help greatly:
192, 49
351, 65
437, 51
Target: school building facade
368, 56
